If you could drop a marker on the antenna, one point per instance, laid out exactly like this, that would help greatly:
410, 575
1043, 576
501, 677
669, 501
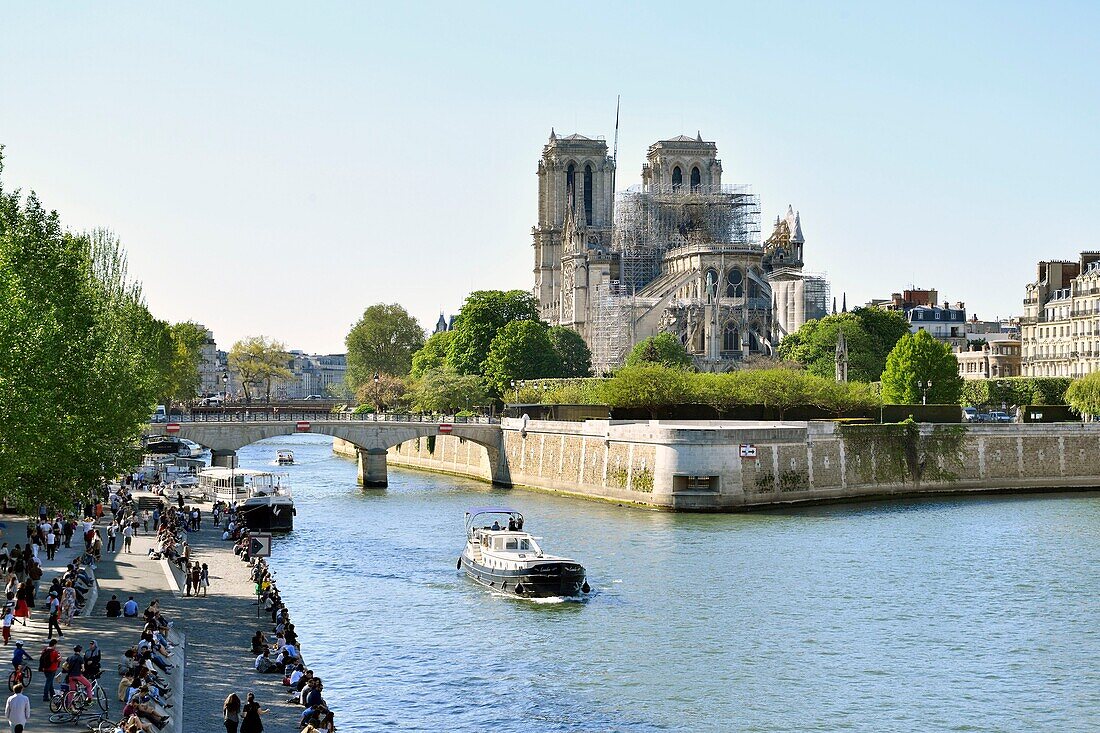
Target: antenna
615, 150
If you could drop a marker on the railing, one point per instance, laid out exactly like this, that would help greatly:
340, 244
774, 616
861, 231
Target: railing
291, 416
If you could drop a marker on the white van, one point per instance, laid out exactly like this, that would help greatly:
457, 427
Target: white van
160, 414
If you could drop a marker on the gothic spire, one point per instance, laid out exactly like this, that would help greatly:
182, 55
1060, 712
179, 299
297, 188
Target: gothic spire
796, 235
834, 305
553, 136
844, 301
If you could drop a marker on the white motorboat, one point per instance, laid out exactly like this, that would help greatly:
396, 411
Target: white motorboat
263, 498
284, 457
501, 556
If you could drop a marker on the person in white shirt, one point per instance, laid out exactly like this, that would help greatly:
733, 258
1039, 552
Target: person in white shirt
127, 536
18, 709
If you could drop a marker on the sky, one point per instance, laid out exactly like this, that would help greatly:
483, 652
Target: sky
275, 168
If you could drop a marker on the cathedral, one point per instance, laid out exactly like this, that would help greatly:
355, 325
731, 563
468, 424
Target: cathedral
681, 253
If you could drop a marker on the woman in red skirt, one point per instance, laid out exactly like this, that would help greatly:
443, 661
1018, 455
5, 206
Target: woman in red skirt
22, 610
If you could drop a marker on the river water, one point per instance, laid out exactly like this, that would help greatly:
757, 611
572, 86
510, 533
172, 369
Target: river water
934, 615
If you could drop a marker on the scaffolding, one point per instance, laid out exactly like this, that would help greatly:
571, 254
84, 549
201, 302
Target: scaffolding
815, 295
611, 326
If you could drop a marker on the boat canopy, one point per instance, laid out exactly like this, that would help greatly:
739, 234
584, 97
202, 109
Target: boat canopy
490, 510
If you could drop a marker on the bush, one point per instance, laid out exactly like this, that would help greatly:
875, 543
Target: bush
1015, 391
574, 391
1083, 394
362, 409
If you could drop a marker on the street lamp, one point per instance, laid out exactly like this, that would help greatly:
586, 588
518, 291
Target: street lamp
924, 385
225, 391
377, 392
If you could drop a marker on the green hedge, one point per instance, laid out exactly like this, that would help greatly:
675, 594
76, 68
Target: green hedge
1015, 391
922, 413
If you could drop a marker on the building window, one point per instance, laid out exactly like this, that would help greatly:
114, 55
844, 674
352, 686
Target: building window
712, 283
754, 343
731, 340
696, 179
677, 177
587, 194
735, 283
754, 289
570, 184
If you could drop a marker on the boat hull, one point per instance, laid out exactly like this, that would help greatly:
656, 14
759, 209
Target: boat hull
264, 518
545, 580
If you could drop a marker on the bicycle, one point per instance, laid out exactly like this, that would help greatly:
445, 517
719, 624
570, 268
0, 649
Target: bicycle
21, 675
70, 704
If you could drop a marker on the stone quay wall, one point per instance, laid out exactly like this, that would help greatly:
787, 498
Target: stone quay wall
699, 466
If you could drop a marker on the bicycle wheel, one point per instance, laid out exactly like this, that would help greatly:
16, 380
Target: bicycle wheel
101, 698
57, 703
12, 679
62, 717
27, 674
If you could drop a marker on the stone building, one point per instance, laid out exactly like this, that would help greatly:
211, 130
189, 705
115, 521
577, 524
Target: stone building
998, 357
679, 253
1060, 328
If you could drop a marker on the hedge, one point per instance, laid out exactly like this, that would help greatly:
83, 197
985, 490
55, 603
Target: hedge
1011, 391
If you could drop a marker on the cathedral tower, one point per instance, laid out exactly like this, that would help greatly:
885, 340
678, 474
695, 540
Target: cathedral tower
683, 161
575, 172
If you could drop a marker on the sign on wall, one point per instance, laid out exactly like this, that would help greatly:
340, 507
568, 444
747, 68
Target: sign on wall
748, 450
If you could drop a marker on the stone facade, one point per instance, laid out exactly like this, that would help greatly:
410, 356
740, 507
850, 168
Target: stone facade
999, 357
1060, 328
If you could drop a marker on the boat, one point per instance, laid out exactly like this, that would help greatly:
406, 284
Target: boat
262, 498
284, 457
501, 556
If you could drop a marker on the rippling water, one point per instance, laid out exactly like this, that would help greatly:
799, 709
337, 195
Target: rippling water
947, 615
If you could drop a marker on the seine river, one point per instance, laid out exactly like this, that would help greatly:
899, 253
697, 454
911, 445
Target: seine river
946, 615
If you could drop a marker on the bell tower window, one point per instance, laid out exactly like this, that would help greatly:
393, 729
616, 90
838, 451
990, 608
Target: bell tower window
735, 283
696, 179
587, 194
677, 177
570, 184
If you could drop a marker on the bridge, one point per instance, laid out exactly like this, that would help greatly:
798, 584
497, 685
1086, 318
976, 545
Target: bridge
371, 434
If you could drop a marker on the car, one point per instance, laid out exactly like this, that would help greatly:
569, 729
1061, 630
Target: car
315, 397
998, 416
970, 414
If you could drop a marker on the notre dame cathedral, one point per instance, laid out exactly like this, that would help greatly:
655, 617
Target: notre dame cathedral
680, 253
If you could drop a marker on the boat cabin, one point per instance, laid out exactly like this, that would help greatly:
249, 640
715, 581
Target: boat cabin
239, 485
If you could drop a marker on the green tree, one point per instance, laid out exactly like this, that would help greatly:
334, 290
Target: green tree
384, 392
446, 391
181, 369
520, 350
649, 386
260, 364
870, 333
485, 313
918, 358
664, 348
884, 329
382, 342
1083, 395
432, 355
573, 354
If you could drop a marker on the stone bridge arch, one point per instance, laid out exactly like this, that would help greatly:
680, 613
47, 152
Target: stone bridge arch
372, 440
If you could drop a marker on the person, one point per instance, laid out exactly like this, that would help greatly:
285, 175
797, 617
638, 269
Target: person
9, 619
48, 663
111, 533
68, 603
204, 579
114, 608
54, 610
20, 658
18, 709
93, 661
259, 642
75, 671
511, 524
130, 609
496, 526
196, 577
187, 578
127, 537
250, 721
231, 712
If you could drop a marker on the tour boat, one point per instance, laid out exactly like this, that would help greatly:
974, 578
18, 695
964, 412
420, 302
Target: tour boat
501, 556
284, 457
262, 498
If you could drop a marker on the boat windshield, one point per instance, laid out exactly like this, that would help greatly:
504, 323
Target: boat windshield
516, 544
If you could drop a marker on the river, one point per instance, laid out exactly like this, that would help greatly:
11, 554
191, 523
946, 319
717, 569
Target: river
975, 614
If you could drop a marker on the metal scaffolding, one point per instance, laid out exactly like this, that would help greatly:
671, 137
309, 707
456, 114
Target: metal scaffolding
815, 295
611, 326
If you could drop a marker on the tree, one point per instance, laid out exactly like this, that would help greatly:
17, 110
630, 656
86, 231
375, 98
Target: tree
1083, 395
870, 333
573, 354
383, 391
484, 313
918, 358
664, 348
259, 363
181, 372
649, 386
382, 342
520, 350
446, 391
433, 355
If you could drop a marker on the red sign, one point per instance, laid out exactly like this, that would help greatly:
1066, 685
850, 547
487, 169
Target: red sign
445, 429
172, 428
303, 426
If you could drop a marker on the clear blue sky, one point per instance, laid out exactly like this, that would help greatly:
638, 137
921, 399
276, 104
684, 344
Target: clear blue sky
274, 168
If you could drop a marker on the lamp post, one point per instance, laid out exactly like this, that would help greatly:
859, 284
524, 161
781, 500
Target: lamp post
225, 392
925, 385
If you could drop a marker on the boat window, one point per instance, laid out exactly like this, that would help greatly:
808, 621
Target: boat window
525, 544
511, 544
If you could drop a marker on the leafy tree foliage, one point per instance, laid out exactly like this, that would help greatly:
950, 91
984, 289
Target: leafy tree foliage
385, 392
446, 391
663, 348
181, 367
870, 332
79, 357
1083, 394
485, 313
648, 385
260, 364
573, 355
917, 358
521, 350
383, 341
1015, 391
432, 355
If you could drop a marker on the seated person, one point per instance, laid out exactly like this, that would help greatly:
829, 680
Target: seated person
130, 608
259, 642
114, 608
265, 664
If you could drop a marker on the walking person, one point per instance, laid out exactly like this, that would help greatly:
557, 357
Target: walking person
231, 712
55, 613
48, 664
204, 579
196, 577
127, 536
68, 603
111, 532
18, 709
250, 721
187, 578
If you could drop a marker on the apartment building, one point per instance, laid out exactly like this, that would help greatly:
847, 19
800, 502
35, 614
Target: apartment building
1060, 328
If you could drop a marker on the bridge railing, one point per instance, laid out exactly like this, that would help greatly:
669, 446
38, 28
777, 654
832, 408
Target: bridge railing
268, 415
